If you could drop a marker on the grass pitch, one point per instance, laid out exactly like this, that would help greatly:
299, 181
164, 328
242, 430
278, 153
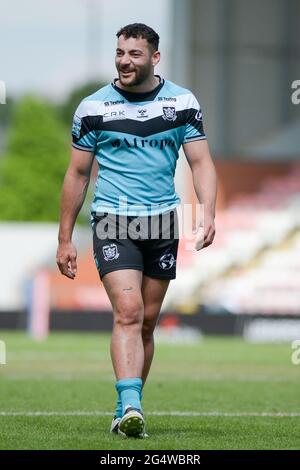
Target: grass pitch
220, 393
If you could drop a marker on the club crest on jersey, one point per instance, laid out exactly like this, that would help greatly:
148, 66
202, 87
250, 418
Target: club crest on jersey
169, 113
110, 252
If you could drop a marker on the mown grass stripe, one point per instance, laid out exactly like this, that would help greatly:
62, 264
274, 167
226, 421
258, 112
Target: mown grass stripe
217, 414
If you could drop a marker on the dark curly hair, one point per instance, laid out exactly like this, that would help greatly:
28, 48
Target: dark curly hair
140, 30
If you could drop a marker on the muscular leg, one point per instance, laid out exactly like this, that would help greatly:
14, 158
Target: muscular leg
153, 293
132, 344
127, 352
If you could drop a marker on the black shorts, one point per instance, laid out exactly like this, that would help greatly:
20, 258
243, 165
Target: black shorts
146, 243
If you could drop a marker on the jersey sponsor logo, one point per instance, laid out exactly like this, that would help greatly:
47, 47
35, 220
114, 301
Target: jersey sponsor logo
163, 98
76, 126
112, 103
167, 261
110, 252
142, 143
114, 115
169, 113
116, 143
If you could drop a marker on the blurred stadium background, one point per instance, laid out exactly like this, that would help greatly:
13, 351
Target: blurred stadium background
240, 58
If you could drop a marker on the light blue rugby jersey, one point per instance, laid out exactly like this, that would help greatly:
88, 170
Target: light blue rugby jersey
136, 138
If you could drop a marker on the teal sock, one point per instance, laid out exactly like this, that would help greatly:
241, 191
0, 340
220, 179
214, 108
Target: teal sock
129, 391
118, 409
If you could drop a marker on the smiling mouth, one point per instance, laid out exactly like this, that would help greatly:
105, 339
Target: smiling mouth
127, 72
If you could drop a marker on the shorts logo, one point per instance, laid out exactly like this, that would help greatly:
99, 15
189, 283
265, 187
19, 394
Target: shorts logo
167, 261
110, 252
76, 126
169, 113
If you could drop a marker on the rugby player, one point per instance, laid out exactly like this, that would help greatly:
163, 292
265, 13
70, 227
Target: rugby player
134, 127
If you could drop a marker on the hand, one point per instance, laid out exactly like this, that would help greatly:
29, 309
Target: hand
66, 259
205, 235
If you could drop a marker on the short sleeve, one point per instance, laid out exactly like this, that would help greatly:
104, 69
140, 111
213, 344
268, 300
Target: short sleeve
193, 121
84, 135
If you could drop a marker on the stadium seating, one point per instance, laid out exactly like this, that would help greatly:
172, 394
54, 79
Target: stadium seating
253, 263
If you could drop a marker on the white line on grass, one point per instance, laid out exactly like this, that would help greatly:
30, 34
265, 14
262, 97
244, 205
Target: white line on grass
217, 377
156, 413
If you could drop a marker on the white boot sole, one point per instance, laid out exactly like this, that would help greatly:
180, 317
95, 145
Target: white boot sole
132, 424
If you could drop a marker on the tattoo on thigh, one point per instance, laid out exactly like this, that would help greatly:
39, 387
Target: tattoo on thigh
127, 289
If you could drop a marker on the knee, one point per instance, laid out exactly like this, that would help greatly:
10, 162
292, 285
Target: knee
148, 328
129, 314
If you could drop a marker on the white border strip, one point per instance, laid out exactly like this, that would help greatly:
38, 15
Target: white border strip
216, 414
